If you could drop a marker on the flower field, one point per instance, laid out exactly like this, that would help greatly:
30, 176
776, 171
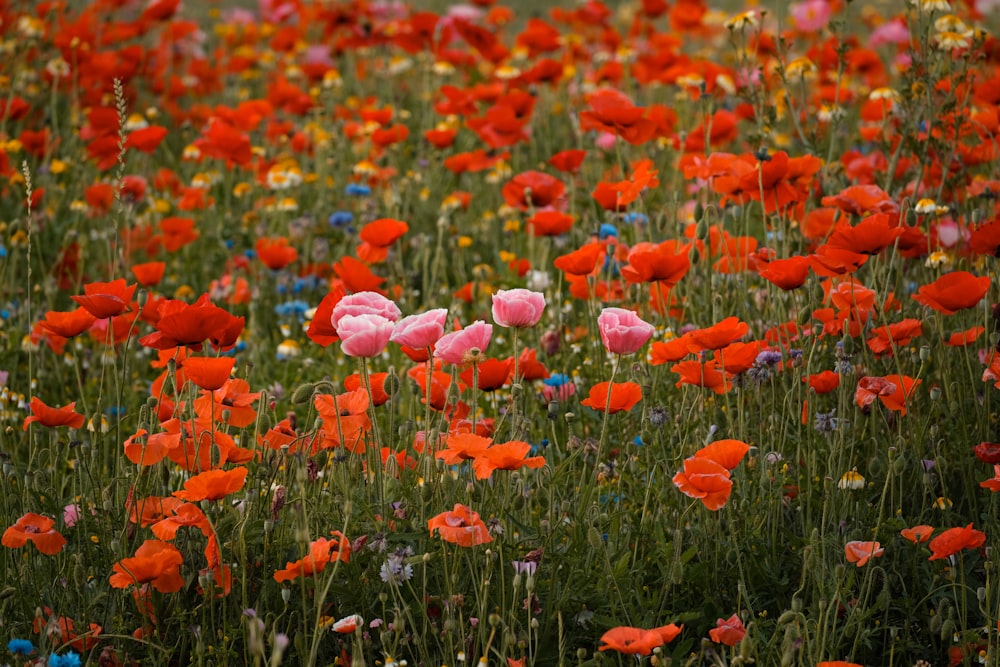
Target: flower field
352, 332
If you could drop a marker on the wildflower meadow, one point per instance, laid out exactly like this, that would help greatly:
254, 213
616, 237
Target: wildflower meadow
384, 333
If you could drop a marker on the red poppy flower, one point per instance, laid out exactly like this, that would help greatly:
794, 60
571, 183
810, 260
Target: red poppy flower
321, 552
823, 383
567, 161
345, 419
988, 452
706, 480
549, 222
636, 641
146, 139
213, 484
275, 253
985, 239
377, 236
953, 292
953, 540
208, 372
104, 300
155, 562
37, 529
869, 388
462, 447
787, 274
993, 484
705, 375
666, 263
894, 336
175, 233
182, 324
149, 273
533, 189
441, 138
321, 330
505, 456
460, 526
356, 275
669, 351
869, 237
492, 373
917, 534
727, 453
623, 396
905, 388
967, 337
716, 336
582, 261
68, 324
861, 199
53, 417
728, 631
612, 111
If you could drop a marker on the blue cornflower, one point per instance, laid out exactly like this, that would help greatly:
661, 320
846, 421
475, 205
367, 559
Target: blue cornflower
70, 659
607, 230
357, 190
636, 218
341, 218
20, 647
556, 380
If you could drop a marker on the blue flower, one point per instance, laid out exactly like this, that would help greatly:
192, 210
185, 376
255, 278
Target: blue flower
556, 380
341, 218
636, 218
607, 230
357, 190
70, 659
20, 647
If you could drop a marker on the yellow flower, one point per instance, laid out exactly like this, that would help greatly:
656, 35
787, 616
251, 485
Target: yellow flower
851, 480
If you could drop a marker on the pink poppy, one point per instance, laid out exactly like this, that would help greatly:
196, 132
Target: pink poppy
364, 335
518, 308
622, 331
365, 303
465, 346
421, 330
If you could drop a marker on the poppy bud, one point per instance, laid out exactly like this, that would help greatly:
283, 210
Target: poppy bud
391, 383
286, 595
303, 393
947, 629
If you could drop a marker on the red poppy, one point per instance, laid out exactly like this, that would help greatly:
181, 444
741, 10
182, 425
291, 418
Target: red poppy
505, 456
53, 417
182, 324
860, 553
155, 562
492, 373
716, 336
550, 222
894, 336
460, 526
104, 300
705, 375
441, 138
175, 233
905, 388
967, 337
869, 388
669, 351
917, 534
533, 189
728, 631
787, 274
612, 111
68, 324
985, 239
377, 380
623, 396
321, 552
321, 330
184, 515
146, 140
149, 273
665, 263
636, 641
377, 236
345, 419
869, 237
953, 540
356, 275
823, 383
213, 484
208, 372
462, 447
275, 253
727, 453
231, 403
582, 261
567, 161
993, 484
953, 292
706, 480
37, 529
861, 199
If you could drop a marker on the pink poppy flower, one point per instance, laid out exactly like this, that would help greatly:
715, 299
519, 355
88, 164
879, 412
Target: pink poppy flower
518, 308
465, 346
860, 552
364, 335
421, 330
811, 15
365, 303
622, 331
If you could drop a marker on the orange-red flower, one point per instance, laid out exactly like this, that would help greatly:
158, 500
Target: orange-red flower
716, 336
275, 253
727, 453
917, 534
953, 292
182, 324
37, 529
321, 552
213, 484
106, 299
208, 373
377, 236
612, 111
68, 324
953, 540
155, 562
533, 189
706, 480
623, 396
505, 456
637, 641
345, 419
460, 526
53, 417
728, 631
